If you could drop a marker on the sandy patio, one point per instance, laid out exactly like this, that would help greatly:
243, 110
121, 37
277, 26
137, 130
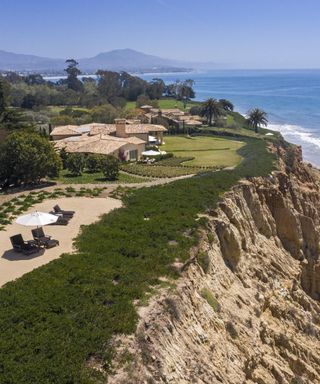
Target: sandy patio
88, 210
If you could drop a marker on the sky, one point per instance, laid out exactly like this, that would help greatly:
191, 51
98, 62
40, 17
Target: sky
232, 33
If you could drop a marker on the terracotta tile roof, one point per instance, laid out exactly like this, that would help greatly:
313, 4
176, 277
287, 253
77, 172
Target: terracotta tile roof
64, 130
104, 144
144, 128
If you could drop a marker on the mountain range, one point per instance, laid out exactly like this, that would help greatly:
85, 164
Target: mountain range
118, 60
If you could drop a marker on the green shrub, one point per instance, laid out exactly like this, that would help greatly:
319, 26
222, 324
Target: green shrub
110, 168
94, 163
204, 261
75, 163
212, 301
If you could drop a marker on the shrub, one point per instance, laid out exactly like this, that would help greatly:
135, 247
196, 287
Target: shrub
64, 156
94, 162
204, 261
75, 163
211, 300
196, 110
110, 167
231, 329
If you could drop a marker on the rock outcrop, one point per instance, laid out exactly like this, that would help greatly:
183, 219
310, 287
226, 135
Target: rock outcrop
252, 313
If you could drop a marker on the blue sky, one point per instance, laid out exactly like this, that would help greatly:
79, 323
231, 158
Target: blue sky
238, 33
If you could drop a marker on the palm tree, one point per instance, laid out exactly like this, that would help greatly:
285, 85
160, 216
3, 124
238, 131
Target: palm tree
212, 110
257, 117
226, 105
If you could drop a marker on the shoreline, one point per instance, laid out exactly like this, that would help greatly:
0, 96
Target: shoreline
297, 135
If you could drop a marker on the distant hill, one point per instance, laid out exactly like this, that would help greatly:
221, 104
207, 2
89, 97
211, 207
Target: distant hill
118, 60
129, 60
19, 62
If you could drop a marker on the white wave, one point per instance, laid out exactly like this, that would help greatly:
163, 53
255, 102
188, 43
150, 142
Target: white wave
292, 132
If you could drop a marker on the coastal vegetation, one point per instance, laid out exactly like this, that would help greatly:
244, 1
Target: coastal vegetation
60, 317
65, 177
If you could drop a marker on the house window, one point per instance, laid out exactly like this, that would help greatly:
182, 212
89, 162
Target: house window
133, 155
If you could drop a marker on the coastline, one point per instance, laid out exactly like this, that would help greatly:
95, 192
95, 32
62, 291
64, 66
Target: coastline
297, 135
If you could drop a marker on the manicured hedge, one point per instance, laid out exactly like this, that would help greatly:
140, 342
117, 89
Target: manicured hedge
56, 318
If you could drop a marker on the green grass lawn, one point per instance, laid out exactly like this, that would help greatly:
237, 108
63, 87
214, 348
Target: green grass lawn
207, 151
96, 178
165, 103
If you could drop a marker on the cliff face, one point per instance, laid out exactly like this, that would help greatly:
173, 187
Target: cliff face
246, 309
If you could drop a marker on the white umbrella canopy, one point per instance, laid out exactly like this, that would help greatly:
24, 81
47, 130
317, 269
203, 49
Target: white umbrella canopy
36, 219
151, 153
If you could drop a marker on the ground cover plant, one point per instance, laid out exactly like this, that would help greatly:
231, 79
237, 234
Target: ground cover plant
58, 318
159, 171
206, 151
96, 178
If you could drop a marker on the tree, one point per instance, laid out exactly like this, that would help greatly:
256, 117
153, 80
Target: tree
110, 168
226, 105
4, 96
256, 118
25, 158
211, 109
185, 91
29, 101
75, 163
109, 84
155, 88
34, 79
94, 162
10, 118
73, 72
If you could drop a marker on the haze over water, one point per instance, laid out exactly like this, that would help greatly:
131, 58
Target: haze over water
290, 97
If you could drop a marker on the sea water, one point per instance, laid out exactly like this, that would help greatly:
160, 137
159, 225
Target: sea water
291, 99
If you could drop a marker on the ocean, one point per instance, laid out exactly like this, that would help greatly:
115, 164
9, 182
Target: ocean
290, 97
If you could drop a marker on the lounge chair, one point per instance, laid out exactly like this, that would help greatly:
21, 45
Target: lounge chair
26, 247
58, 210
61, 220
42, 239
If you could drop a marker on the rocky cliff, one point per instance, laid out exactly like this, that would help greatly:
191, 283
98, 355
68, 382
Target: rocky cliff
246, 308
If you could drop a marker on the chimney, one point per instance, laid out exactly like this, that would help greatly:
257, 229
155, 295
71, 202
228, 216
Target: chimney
121, 127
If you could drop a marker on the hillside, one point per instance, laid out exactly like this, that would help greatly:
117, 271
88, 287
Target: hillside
118, 60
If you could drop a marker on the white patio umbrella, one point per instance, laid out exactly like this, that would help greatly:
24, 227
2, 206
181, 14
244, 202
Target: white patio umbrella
36, 219
151, 153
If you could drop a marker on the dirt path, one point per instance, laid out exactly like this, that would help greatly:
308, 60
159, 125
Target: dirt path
110, 187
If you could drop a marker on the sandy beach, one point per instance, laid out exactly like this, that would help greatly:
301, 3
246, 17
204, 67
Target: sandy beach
88, 210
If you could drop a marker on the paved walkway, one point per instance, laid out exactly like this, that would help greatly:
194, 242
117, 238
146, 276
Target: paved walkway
88, 210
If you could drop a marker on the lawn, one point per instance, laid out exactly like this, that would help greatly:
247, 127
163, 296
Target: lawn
95, 178
58, 318
165, 103
207, 151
